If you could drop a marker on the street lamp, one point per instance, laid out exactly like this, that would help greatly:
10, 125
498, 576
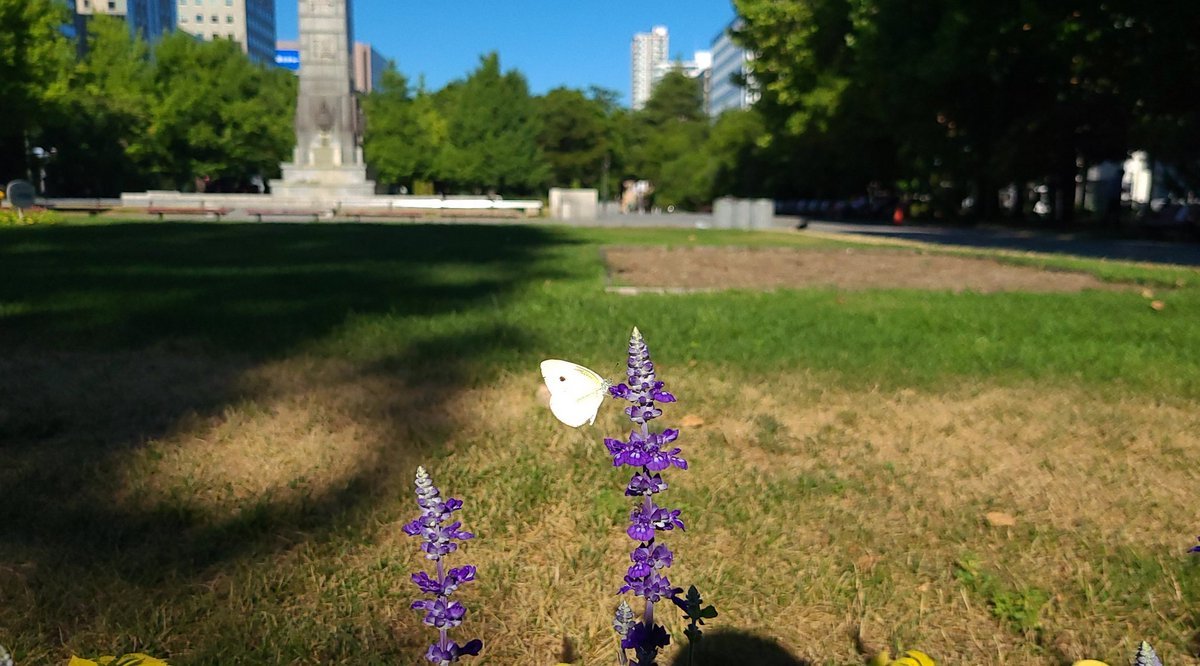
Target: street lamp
42, 157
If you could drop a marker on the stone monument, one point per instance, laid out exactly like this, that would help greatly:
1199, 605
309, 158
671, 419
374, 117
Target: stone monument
327, 163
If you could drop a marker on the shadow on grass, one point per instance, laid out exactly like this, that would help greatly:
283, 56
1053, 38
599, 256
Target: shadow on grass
255, 289
724, 647
111, 336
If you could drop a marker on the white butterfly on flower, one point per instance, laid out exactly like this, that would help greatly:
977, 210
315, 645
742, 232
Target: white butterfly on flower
576, 392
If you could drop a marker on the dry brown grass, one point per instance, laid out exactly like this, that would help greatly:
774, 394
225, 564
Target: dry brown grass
814, 515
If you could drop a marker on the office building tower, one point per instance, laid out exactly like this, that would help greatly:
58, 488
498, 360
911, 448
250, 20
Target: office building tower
150, 19
649, 51
368, 67
731, 86
250, 23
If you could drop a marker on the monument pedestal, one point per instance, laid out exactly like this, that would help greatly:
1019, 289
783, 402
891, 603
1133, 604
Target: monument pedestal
327, 183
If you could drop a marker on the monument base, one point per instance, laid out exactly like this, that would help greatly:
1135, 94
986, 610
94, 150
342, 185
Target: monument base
322, 183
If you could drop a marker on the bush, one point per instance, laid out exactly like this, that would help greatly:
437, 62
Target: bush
9, 217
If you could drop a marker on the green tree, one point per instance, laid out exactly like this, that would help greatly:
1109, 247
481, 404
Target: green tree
493, 130
737, 145
666, 144
98, 128
216, 113
575, 137
405, 132
35, 58
965, 97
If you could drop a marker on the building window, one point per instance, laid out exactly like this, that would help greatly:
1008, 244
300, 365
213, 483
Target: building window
228, 3
229, 18
199, 18
214, 18
112, 5
183, 19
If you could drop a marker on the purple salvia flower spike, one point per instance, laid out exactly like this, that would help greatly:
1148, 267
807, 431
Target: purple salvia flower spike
649, 454
439, 541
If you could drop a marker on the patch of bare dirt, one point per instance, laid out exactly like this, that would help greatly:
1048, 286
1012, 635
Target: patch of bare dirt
707, 268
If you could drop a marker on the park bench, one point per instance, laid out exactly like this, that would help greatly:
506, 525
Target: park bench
162, 211
91, 208
385, 213
314, 214
488, 213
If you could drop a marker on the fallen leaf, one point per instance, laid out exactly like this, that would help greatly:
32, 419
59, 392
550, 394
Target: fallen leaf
691, 421
1147, 293
1000, 519
867, 562
1157, 305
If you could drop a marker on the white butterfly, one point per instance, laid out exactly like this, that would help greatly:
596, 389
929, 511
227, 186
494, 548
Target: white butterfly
576, 393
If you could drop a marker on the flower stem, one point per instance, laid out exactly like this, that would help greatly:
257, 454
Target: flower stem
441, 569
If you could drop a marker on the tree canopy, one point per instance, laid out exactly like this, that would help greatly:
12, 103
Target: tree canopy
952, 93
126, 116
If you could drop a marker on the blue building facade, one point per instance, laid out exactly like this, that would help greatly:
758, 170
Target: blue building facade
149, 19
730, 67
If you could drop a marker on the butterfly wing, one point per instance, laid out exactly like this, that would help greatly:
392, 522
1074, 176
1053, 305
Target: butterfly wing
576, 392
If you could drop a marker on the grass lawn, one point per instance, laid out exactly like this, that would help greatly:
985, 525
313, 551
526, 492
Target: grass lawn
208, 434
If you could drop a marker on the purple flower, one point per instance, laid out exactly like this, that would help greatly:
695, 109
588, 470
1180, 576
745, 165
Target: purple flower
648, 517
439, 613
643, 483
658, 557
449, 583
650, 454
653, 587
1195, 549
439, 540
646, 450
450, 654
645, 639
642, 387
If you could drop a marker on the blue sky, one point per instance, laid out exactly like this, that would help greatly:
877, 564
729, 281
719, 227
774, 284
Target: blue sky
574, 43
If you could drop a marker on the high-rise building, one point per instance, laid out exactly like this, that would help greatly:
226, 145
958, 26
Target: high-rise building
149, 18
648, 51
368, 67
250, 23
367, 63
732, 86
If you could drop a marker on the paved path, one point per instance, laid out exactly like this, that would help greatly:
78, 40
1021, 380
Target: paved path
1022, 240
1026, 240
